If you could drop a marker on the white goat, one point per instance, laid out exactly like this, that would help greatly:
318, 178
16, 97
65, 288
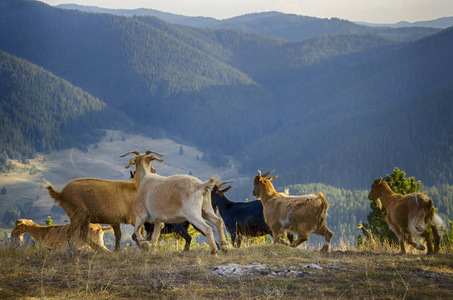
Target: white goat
173, 199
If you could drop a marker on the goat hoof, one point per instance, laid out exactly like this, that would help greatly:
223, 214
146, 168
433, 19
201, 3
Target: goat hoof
214, 252
420, 247
325, 248
144, 245
224, 247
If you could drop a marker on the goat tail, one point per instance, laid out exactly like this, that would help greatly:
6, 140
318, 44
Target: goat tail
207, 186
324, 207
53, 193
434, 219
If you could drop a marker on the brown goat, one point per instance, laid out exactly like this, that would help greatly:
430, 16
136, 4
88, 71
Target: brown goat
408, 215
55, 236
294, 214
91, 200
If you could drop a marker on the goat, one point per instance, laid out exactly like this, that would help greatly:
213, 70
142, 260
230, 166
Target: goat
296, 214
91, 200
408, 215
240, 218
55, 236
172, 199
179, 228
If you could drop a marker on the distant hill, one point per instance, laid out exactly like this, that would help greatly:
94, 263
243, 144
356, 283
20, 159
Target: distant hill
440, 23
287, 26
168, 17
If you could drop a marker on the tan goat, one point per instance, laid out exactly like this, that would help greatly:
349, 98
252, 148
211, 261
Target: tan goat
408, 215
173, 199
91, 200
295, 214
55, 236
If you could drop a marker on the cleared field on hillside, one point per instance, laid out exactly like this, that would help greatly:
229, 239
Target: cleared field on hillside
100, 161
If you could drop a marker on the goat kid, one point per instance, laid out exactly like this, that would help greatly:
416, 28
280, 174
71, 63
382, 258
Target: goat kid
172, 199
296, 214
55, 236
408, 215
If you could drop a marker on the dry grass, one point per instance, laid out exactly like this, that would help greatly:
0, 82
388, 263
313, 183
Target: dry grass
28, 272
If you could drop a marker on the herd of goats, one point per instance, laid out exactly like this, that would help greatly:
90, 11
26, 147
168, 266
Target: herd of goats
157, 203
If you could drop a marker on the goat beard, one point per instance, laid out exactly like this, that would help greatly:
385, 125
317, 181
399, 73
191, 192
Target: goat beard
378, 203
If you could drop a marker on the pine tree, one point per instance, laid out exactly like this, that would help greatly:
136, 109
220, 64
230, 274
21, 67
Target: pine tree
377, 218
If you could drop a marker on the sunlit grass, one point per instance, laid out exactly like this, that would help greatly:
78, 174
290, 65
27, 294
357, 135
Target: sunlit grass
346, 273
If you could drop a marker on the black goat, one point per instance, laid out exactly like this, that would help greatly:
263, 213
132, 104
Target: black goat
240, 218
179, 228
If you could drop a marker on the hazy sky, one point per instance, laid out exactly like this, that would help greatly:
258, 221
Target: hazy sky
375, 11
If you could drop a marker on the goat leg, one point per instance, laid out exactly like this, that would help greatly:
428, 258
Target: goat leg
117, 231
139, 240
156, 234
436, 239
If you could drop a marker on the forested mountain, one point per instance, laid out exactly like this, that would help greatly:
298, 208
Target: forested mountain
340, 109
287, 26
41, 112
389, 111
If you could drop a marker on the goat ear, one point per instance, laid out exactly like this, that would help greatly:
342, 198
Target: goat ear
131, 162
273, 177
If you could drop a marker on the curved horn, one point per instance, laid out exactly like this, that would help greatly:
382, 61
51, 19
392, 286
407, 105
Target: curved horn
259, 172
268, 173
135, 152
149, 152
223, 183
158, 159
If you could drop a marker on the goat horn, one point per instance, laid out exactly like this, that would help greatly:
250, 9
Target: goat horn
259, 172
268, 173
158, 159
222, 184
135, 152
149, 152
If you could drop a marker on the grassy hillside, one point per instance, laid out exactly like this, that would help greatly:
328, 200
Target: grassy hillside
257, 272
